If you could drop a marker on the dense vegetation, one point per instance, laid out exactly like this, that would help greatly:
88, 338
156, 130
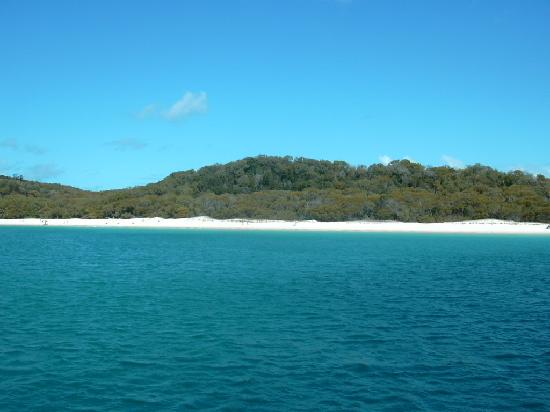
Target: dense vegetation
296, 188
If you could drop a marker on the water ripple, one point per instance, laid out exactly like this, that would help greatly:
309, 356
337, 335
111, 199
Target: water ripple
137, 320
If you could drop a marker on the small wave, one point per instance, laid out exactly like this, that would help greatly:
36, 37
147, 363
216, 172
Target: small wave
11, 371
510, 356
136, 363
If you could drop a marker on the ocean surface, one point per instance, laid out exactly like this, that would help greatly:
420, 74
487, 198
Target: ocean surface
154, 320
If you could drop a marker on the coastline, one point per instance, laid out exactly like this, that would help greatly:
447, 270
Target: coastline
487, 226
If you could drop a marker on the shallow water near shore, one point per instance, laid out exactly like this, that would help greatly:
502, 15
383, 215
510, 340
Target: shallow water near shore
138, 319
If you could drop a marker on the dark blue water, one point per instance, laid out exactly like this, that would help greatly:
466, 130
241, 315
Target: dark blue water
131, 320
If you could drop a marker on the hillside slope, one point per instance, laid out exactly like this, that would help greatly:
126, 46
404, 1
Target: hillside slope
297, 189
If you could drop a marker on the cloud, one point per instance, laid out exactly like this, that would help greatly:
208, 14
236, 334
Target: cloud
13, 144
9, 144
127, 144
410, 159
5, 166
385, 159
147, 111
539, 170
533, 169
44, 171
191, 103
453, 162
37, 150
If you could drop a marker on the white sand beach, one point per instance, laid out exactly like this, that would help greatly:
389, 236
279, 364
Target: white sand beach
488, 226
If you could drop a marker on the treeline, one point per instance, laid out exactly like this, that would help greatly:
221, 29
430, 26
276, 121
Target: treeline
298, 189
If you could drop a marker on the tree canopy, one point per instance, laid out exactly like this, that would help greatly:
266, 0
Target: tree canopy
267, 187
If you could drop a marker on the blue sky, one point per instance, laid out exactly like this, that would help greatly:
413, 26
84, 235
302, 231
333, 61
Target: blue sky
105, 94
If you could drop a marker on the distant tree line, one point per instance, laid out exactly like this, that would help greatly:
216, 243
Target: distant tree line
266, 187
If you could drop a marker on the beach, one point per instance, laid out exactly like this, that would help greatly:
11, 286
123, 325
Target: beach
487, 226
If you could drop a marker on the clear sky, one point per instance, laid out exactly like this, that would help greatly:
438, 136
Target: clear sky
106, 94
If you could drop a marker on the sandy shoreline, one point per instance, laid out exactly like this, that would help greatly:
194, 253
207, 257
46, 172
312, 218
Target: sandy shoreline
476, 226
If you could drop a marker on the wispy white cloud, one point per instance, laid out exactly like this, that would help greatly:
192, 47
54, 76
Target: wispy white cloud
44, 171
13, 144
410, 159
5, 167
34, 149
9, 144
453, 162
533, 169
148, 111
191, 103
385, 159
127, 144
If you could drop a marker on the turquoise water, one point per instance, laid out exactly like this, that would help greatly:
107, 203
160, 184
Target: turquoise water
147, 320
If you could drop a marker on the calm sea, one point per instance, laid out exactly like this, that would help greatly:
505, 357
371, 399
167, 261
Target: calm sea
151, 320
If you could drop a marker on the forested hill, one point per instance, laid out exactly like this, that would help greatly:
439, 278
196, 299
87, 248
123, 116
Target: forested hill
296, 188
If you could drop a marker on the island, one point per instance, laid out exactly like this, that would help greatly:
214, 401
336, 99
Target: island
296, 191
